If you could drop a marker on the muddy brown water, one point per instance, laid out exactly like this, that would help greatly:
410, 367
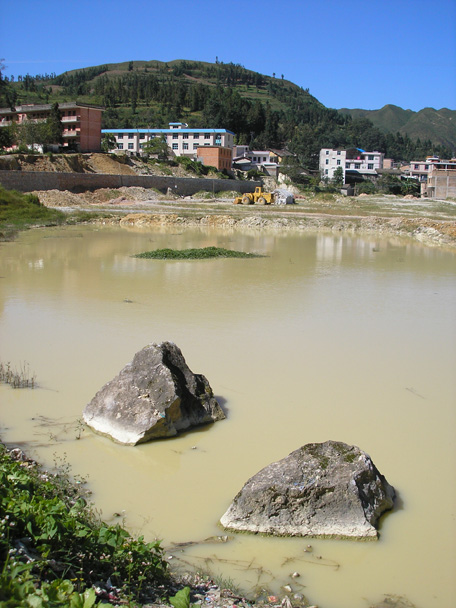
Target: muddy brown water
327, 337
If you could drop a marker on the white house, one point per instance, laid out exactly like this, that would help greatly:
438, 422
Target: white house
352, 159
181, 140
261, 160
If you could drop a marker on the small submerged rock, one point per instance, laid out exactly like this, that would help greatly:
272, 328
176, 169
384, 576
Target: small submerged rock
154, 396
326, 489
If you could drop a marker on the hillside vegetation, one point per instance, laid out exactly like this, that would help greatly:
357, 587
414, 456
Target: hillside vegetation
263, 111
439, 126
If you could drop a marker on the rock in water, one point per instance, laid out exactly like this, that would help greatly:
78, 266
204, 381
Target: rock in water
326, 489
154, 396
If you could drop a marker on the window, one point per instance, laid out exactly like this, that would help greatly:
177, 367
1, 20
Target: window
185, 146
338, 152
357, 165
327, 161
120, 136
196, 135
426, 167
185, 135
416, 166
130, 146
195, 146
120, 146
370, 165
175, 136
130, 136
338, 162
142, 136
327, 151
326, 171
175, 146
371, 157
347, 165
207, 136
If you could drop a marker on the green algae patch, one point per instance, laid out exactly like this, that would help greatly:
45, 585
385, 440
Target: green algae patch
203, 253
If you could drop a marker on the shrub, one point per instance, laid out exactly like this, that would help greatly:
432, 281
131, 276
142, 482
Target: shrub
66, 540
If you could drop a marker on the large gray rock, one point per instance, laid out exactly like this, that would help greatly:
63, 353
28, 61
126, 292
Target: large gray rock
326, 489
154, 396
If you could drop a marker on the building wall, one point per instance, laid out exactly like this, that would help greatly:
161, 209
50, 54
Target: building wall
90, 130
216, 156
27, 181
330, 160
442, 183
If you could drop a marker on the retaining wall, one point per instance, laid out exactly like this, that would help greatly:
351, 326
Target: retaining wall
26, 181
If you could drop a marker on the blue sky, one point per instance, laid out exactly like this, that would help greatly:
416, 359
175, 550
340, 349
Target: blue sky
355, 54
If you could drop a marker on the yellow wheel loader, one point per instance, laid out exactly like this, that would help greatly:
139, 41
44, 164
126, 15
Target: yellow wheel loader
259, 196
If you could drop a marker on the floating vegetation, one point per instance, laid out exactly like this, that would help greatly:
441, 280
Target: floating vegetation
195, 254
21, 378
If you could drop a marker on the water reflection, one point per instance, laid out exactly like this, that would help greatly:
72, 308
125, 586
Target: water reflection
328, 337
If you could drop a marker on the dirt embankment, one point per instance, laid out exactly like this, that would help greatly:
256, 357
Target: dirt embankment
110, 164
68, 163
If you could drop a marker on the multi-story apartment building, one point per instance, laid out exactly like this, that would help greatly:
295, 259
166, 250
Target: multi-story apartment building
81, 122
181, 140
353, 160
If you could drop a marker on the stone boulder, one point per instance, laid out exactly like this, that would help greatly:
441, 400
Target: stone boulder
154, 396
326, 489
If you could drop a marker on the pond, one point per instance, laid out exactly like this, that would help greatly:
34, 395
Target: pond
325, 337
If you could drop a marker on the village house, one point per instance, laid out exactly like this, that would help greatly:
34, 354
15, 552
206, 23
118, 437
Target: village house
181, 140
441, 180
266, 161
81, 122
354, 162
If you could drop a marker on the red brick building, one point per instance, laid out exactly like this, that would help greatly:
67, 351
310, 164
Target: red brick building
215, 156
81, 122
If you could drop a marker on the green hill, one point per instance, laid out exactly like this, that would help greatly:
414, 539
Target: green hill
263, 111
438, 126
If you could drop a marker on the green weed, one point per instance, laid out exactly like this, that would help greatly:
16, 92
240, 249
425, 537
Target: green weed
194, 254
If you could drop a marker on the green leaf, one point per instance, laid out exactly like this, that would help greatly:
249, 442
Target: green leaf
181, 599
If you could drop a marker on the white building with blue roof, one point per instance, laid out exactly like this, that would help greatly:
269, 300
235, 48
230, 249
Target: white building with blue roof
181, 140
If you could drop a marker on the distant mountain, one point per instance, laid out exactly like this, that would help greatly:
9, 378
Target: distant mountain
439, 126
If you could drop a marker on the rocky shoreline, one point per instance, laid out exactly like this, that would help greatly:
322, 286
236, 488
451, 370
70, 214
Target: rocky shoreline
428, 232
423, 221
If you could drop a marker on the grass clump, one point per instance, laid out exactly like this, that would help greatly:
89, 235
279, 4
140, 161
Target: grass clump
54, 549
17, 378
194, 254
20, 211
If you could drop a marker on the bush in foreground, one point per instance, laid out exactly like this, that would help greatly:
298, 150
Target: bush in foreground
55, 551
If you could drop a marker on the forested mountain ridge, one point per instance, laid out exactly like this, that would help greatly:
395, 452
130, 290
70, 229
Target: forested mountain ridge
263, 111
439, 126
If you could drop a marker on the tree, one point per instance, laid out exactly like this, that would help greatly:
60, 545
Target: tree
6, 137
108, 142
54, 127
158, 147
338, 177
